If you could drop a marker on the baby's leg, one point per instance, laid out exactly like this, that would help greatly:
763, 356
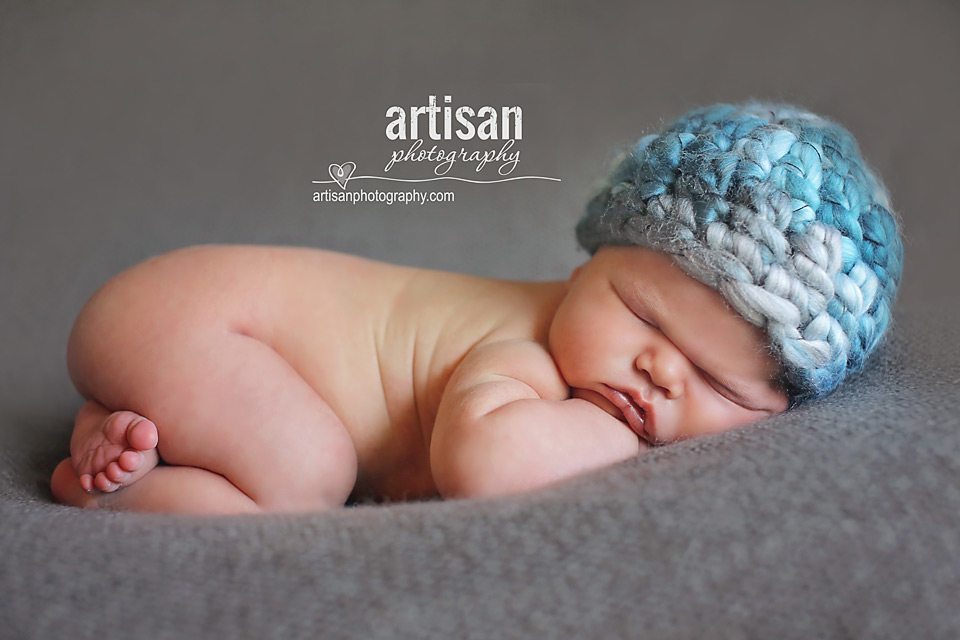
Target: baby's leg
166, 489
239, 427
120, 447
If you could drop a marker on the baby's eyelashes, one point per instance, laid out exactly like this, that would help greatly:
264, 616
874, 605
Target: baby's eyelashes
717, 385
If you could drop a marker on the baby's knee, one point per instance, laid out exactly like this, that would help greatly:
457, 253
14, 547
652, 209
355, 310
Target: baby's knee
315, 476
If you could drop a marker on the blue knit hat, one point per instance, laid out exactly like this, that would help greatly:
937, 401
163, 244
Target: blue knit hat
774, 207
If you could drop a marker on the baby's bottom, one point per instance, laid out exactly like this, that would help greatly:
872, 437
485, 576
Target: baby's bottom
238, 429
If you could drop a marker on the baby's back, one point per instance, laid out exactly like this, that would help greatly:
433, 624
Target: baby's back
377, 341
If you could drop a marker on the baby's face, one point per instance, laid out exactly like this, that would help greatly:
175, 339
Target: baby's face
635, 331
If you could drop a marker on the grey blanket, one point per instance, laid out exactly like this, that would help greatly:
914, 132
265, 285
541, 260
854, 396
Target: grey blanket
131, 129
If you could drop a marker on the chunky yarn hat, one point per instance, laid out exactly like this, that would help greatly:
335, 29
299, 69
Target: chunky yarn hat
774, 207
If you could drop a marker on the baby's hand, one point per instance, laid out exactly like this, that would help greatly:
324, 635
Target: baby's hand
506, 424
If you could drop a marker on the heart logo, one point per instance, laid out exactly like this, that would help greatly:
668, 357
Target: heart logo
342, 172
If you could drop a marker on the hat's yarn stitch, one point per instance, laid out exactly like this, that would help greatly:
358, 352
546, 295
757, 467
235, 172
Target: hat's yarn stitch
774, 207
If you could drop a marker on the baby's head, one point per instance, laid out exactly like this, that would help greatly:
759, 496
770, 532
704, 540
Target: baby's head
774, 209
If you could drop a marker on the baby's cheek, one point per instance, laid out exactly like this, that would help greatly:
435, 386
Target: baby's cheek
573, 360
715, 414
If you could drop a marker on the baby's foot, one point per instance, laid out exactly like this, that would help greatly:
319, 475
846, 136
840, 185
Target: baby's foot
118, 451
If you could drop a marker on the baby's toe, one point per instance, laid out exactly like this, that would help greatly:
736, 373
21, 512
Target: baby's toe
117, 424
115, 473
105, 484
130, 460
86, 482
142, 434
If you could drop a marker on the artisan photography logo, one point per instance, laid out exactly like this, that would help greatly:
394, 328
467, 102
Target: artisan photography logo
461, 141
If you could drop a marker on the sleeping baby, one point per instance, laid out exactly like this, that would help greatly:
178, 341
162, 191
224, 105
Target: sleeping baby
743, 260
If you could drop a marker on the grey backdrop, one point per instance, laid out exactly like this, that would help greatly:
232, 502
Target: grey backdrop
129, 129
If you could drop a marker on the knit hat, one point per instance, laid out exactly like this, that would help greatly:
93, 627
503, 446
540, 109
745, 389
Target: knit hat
773, 207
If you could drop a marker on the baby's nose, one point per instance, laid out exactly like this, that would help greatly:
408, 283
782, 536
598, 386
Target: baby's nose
664, 371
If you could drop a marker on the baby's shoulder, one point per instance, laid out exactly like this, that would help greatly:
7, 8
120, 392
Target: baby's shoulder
521, 359
467, 306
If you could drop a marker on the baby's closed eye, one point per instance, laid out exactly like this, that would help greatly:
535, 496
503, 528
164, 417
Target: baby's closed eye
719, 387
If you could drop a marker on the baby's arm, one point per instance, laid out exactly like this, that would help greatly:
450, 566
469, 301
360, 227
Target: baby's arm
506, 424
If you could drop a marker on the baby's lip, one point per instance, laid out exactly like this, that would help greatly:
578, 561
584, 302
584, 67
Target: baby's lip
637, 413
